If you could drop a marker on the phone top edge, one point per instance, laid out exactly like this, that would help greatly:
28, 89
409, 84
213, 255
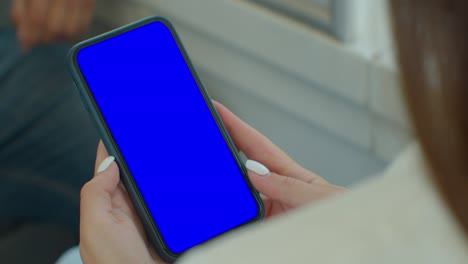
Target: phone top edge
122, 29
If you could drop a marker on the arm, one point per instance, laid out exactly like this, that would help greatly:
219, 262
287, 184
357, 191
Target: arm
45, 21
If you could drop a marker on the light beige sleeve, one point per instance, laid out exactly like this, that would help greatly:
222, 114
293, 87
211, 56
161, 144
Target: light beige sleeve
381, 221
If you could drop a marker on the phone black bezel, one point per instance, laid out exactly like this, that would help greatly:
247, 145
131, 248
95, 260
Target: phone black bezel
106, 136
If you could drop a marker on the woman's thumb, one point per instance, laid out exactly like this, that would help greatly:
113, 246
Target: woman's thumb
96, 195
280, 188
107, 175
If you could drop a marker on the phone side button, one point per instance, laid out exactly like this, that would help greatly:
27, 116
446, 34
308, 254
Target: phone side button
86, 106
84, 101
93, 120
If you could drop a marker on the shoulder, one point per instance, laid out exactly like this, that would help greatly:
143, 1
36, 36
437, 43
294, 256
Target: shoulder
397, 217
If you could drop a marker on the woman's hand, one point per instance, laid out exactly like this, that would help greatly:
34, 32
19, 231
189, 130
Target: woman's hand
110, 231
45, 21
284, 184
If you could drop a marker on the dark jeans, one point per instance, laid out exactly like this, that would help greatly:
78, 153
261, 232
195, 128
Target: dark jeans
47, 142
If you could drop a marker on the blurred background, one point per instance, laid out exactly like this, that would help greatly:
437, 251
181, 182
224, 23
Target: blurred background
317, 77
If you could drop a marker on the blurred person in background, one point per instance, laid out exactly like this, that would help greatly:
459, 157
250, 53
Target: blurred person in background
416, 213
47, 143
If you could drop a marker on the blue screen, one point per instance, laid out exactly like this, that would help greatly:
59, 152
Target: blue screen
167, 136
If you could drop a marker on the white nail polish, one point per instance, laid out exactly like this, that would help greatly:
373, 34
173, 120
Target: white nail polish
105, 164
257, 167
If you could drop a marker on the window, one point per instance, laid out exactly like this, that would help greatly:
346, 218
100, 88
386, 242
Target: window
328, 15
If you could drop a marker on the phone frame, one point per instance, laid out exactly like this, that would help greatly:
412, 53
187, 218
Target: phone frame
88, 100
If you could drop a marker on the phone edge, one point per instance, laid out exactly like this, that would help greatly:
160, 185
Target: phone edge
137, 200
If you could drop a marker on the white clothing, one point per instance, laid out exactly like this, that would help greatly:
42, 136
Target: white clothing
396, 218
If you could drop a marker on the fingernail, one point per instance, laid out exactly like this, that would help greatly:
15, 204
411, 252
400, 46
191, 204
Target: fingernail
105, 164
257, 167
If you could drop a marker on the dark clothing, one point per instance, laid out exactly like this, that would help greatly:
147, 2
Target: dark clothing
47, 142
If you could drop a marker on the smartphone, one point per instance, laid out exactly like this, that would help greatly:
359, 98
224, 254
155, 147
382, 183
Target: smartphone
176, 159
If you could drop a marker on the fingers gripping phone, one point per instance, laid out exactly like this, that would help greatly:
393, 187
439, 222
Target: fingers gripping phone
176, 160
